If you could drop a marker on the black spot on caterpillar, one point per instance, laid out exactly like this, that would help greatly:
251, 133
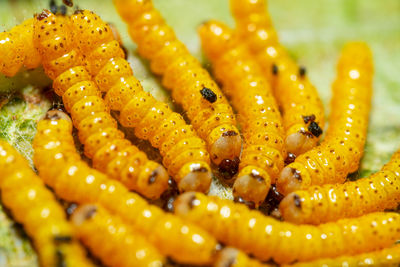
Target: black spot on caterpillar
208, 95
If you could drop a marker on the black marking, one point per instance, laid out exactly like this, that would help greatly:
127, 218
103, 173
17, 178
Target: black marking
230, 133
275, 69
90, 213
296, 174
315, 129
201, 169
229, 167
78, 11
53, 116
63, 10
309, 118
53, 6
45, 14
302, 71
169, 195
274, 197
257, 176
152, 178
62, 239
249, 204
60, 259
208, 95
71, 208
191, 202
290, 158
69, 3
297, 201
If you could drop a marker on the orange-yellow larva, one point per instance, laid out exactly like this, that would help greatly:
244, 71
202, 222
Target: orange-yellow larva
59, 166
232, 257
266, 238
340, 152
210, 114
325, 203
35, 207
112, 240
184, 153
264, 152
97, 129
302, 110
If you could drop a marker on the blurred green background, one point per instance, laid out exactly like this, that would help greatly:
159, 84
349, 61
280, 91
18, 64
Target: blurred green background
313, 31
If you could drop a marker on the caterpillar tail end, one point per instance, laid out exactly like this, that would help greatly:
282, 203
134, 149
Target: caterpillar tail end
291, 208
184, 203
83, 213
55, 114
195, 177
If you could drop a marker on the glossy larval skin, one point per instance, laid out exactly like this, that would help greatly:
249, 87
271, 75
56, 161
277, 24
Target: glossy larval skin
110, 152
340, 152
35, 207
212, 118
325, 203
60, 167
184, 154
112, 240
264, 150
266, 238
297, 97
233, 257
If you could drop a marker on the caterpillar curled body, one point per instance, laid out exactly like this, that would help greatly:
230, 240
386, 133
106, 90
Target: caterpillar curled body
232, 257
184, 153
60, 167
97, 130
265, 238
17, 49
35, 207
213, 120
340, 152
386, 257
302, 110
112, 240
264, 152
320, 204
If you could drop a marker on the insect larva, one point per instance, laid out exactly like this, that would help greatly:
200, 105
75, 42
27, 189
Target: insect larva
325, 203
342, 148
264, 150
184, 153
232, 257
386, 257
61, 169
183, 74
296, 96
35, 207
112, 240
97, 130
265, 238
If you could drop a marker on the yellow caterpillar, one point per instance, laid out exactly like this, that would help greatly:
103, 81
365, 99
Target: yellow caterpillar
59, 166
184, 153
232, 257
340, 152
112, 240
191, 85
35, 207
104, 143
264, 151
302, 110
266, 238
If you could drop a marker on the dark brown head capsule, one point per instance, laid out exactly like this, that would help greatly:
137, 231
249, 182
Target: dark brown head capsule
208, 95
275, 69
290, 158
302, 71
249, 204
309, 118
296, 174
229, 167
45, 14
53, 6
68, 3
315, 129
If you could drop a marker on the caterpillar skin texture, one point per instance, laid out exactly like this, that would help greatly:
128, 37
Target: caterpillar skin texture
184, 153
17, 49
113, 241
325, 203
60, 167
212, 118
296, 96
232, 257
266, 238
389, 257
110, 152
264, 152
340, 152
35, 207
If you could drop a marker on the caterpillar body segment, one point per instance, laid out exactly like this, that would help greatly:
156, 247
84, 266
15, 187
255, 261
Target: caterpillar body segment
296, 96
112, 240
265, 238
97, 130
340, 152
233, 257
184, 153
264, 150
60, 167
320, 204
35, 207
212, 117
388, 257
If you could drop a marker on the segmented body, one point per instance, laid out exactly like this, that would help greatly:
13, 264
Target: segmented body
384, 258
112, 240
340, 152
60, 167
264, 151
325, 203
17, 49
35, 207
104, 143
211, 117
265, 238
232, 257
296, 96
184, 153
